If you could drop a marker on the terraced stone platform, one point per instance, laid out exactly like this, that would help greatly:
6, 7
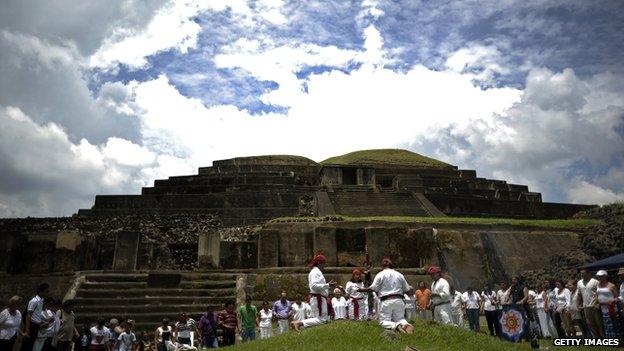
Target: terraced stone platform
129, 296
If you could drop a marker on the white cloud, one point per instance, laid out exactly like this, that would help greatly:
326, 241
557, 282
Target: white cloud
581, 191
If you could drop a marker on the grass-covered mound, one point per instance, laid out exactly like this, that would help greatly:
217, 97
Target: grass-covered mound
354, 336
575, 223
386, 157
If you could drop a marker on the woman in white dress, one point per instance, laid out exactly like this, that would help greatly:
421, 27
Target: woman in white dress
339, 304
265, 321
562, 315
547, 327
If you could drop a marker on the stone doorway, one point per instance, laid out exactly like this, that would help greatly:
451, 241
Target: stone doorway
349, 176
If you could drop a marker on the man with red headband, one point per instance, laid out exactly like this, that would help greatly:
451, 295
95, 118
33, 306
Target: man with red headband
440, 296
390, 285
319, 289
358, 301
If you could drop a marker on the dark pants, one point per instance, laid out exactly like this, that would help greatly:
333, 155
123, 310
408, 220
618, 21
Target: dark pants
63, 345
185, 341
229, 337
27, 344
492, 321
7, 345
47, 345
473, 318
558, 325
210, 342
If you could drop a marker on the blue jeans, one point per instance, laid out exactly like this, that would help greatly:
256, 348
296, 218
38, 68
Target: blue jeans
473, 318
210, 342
248, 334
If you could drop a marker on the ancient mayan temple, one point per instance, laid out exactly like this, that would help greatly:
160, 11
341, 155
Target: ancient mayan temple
249, 190
249, 225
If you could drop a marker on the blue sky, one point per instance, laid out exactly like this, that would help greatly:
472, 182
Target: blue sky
121, 93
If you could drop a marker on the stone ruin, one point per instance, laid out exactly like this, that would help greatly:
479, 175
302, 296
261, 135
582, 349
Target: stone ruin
205, 238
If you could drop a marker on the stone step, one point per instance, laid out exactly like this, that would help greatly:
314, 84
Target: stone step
227, 179
143, 285
209, 189
142, 319
233, 169
142, 277
155, 292
121, 307
241, 213
216, 201
158, 300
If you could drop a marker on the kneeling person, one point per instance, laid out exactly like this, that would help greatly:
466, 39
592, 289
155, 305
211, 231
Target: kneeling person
390, 285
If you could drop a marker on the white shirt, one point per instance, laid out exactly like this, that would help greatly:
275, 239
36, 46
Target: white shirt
9, 324
317, 283
456, 302
351, 290
442, 288
265, 318
503, 298
389, 282
471, 300
184, 330
126, 341
621, 293
35, 307
588, 291
340, 307
300, 311
99, 336
54, 324
563, 297
410, 302
540, 301
488, 301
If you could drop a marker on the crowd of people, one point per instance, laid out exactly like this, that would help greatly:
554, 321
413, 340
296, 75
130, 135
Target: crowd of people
590, 307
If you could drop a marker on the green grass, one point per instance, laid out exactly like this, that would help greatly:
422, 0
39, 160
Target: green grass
574, 223
352, 336
386, 157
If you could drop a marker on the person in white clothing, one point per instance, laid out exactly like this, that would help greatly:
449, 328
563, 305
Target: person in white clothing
440, 296
587, 300
300, 310
472, 301
127, 339
100, 336
319, 289
10, 322
339, 304
547, 327
265, 319
488, 306
390, 285
358, 301
410, 304
457, 313
50, 324
621, 276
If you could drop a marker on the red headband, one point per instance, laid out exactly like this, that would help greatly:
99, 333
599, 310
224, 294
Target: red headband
356, 271
433, 269
318, 258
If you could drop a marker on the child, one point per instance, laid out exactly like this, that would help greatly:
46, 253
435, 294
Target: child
100, 336
339, 304
127, 340
84, 339
144, 343
265, 318
49, 325
410, 304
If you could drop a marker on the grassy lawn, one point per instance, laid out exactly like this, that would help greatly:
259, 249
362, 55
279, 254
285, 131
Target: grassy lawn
351, 336
389, 157
541, 223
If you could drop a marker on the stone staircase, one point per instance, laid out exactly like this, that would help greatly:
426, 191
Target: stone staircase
129, 296
354, 203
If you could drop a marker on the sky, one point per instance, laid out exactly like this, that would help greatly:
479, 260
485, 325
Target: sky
103, 97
